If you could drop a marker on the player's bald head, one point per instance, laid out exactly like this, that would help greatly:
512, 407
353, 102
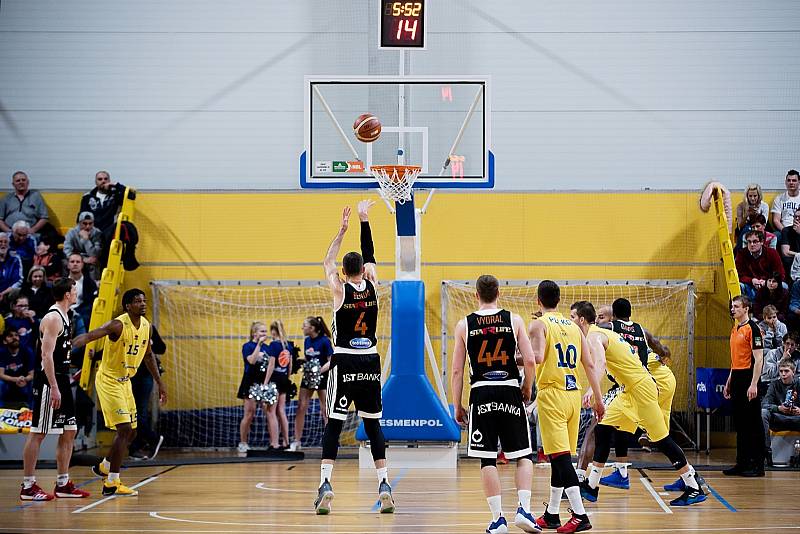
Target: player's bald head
604, 314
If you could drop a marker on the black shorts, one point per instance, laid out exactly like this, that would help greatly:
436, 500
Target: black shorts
46, 420
355, 378
498, 413
282, 382
247, 382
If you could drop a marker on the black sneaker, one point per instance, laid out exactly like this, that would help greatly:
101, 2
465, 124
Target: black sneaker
385, 497
322, 506
688, 497
753, 472
734, 471
589, 493
548, 520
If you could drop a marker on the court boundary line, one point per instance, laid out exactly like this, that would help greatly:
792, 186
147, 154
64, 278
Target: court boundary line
148, 480
646, 483
720, 498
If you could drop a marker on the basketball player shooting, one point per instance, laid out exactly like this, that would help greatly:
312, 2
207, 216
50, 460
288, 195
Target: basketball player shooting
355, 372
128, 344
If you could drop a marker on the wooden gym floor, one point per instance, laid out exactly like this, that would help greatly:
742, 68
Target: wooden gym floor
278, 497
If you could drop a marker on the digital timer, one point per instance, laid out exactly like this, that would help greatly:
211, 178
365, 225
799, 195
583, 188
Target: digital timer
402, 24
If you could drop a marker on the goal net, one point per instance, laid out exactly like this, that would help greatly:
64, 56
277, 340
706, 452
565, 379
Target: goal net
665, 308
205, 324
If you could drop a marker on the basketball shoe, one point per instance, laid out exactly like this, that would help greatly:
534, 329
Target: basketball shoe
322, 506
525, 521
548, 520
616, 480
118, 488
587, 492
69, 491
34, 493
577, 523
498, 527
99, 470
688, 497
385, 497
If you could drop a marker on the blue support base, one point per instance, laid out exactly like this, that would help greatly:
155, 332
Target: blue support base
411, 409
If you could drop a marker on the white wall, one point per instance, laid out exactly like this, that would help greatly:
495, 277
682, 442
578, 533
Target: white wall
201, 94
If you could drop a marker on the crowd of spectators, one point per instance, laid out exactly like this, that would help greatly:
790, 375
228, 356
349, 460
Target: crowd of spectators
33, 253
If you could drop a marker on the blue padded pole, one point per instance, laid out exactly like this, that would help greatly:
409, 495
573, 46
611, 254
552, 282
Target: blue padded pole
408, 328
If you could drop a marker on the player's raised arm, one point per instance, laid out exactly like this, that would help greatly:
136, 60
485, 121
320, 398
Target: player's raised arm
528, 358
457, 372
538, 334
331, 273
112, 329
367, 247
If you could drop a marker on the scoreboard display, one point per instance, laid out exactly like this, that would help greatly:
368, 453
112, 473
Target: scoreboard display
402, 24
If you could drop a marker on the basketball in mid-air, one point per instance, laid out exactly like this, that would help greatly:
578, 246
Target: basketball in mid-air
367, 128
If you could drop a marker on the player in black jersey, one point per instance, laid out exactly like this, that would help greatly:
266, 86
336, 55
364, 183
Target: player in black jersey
355, 371
54, 405
489, 338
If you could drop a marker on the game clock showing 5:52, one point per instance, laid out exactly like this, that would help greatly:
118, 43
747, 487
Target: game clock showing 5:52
403, 24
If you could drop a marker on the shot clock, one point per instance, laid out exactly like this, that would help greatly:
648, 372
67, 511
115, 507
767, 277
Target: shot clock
403, 24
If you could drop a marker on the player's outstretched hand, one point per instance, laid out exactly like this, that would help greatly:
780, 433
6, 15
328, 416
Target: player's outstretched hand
461, 416
371, 272
363, 209
345, 218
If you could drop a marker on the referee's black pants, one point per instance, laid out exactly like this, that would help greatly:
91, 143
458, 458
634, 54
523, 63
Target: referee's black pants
747, 421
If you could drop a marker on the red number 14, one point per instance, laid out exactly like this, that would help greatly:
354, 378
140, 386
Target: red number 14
412, 28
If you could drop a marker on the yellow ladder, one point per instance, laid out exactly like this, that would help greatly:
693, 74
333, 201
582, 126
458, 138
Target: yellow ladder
108, 294
728, 259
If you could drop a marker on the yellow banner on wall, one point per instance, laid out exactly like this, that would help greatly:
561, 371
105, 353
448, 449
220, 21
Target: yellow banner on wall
15, 421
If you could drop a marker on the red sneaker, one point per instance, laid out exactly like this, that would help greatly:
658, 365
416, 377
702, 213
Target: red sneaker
34, 493
501, 459
69, 491
577, 523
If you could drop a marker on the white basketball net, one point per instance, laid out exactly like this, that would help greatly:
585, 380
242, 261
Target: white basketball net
396, 181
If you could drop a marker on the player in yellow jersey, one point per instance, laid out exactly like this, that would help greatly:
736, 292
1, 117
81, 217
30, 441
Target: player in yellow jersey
636, 405
128, 344
558, 345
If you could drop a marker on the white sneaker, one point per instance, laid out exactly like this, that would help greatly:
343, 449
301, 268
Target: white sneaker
295, 446
243, 448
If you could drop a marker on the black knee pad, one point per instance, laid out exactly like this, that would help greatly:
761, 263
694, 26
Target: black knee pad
566, 473
488, 462
673, 452
621, 440
602, 443
330, 439
377, 443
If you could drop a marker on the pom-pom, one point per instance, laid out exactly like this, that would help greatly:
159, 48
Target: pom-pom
312, 377
264, 393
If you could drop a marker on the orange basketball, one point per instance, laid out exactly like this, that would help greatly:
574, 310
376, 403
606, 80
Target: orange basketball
367, 128
284, 358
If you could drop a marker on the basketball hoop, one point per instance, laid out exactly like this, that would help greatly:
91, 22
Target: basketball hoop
396, 181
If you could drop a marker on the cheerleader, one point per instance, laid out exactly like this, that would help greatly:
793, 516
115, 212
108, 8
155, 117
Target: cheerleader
317, 346
255, 370
280, 367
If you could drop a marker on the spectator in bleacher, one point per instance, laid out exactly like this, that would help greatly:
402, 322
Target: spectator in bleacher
22, 244
255, 369
773, 293
40, 296
752, 204
785, 204
86, 240
758, 223
756, 264
49, 256
10, 272
23, 320
773, 330
23, 204
104, 201
86, 287
16, 371
780, 409
769, 370
790, 242
280, 352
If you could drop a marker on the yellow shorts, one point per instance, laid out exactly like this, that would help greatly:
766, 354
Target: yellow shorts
638, 407
666, 383
559, 417
116, 400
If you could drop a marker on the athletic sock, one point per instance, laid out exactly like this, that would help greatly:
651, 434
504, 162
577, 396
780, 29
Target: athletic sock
495, 506
594, 476
326, 472
575, 500
383, 474
62, 479
554, 506
581, 474
113, 476
689, 479
28, 482
525, 499
622, 467
106, 464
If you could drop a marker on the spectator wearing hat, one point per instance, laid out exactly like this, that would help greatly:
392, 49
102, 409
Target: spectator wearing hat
86, 240
23, 204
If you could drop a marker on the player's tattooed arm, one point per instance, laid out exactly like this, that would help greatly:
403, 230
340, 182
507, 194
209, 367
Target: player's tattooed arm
457, 373
112, 329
